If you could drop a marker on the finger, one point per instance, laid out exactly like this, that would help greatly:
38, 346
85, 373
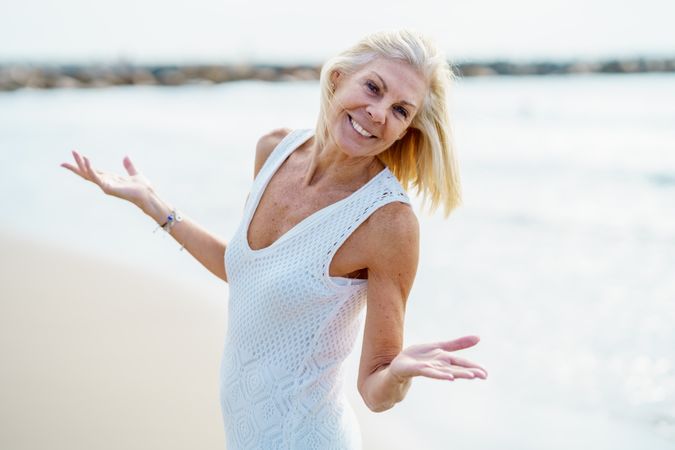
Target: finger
78, 158
456, 360
463, 374
71, 168
438, 374
457, 372
92, 172
458, 344
446, 373
79, 162
480, 373
131, 169
477, 373
87, 166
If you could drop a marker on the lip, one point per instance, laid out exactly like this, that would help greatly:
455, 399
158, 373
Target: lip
349, 122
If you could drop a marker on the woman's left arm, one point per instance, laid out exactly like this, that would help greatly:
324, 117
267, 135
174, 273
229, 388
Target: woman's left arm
386, 371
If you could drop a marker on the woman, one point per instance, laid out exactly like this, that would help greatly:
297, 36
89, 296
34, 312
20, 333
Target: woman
327, 230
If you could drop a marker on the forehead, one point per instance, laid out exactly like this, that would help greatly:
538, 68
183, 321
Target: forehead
402, 80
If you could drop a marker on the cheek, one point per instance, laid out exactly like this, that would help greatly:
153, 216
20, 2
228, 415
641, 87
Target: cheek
340, 102
350, 96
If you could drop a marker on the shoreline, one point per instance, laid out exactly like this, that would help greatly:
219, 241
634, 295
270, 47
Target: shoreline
14, 76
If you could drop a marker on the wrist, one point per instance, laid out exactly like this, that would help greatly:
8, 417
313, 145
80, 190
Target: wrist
396, 370
382, 390
397, 377
156, 208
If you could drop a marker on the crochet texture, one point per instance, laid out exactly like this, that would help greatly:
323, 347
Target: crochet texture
291, 325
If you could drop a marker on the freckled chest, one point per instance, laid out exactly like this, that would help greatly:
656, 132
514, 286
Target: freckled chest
285, 203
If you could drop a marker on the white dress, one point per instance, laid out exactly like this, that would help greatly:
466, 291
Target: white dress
291, 324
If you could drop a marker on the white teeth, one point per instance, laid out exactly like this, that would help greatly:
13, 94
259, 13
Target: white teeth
360, 129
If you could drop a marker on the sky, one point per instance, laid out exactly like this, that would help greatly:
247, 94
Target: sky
309, 31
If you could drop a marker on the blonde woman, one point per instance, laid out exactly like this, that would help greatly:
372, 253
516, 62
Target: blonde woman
327, 231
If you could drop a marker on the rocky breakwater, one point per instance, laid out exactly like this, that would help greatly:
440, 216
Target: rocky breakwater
37, 76
17, 76
613, 66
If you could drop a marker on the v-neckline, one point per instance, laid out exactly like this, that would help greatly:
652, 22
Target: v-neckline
308, 219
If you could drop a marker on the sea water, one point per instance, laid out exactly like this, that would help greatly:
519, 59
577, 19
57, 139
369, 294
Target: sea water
561, 258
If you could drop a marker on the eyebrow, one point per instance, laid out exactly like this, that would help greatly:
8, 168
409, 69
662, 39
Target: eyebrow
385, 88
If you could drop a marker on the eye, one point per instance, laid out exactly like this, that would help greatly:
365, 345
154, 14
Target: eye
372, 87
402, 111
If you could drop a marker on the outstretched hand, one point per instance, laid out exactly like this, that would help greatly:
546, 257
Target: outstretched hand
436, 360
133, 187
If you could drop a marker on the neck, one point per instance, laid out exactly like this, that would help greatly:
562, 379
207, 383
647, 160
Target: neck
329, 161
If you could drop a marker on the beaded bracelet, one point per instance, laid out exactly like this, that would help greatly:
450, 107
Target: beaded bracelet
171, 220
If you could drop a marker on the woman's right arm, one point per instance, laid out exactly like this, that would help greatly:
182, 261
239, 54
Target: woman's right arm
204, 246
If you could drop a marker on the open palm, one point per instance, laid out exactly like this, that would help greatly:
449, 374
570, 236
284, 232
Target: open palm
132, 187
436, 360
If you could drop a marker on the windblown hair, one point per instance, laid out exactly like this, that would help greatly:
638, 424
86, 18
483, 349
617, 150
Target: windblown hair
424, 158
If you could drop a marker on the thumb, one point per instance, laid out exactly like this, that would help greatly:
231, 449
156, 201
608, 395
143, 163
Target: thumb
459, 343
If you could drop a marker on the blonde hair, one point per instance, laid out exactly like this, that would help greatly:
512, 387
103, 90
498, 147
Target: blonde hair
424, 157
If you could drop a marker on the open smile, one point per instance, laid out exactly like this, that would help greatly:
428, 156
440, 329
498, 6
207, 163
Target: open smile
359, 129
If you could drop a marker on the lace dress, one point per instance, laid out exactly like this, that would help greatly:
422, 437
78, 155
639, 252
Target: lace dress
291, 325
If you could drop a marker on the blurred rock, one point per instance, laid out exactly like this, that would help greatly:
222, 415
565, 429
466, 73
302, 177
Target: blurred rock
475, 70
170, 76
143, 77
240, 72
65, 81
13, 77
583, 67
216, 74
266, 74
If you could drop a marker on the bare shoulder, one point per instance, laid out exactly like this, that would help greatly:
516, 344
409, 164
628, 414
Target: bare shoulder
393, 237
266, 144
392, 252
394, 220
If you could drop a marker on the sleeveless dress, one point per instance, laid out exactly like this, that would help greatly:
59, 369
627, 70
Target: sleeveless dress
291, 325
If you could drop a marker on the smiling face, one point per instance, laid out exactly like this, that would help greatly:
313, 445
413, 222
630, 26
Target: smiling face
374, 106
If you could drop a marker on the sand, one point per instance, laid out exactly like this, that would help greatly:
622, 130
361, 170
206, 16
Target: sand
100, 356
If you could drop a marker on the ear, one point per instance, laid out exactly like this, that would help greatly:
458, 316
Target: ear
334, 77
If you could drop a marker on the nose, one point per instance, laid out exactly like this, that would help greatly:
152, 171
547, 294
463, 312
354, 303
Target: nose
376, 112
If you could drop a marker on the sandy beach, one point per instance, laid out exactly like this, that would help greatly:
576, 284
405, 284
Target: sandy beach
98, 356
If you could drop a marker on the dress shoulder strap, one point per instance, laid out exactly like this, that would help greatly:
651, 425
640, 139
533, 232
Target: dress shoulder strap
337, 226
289, 143
285, 147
